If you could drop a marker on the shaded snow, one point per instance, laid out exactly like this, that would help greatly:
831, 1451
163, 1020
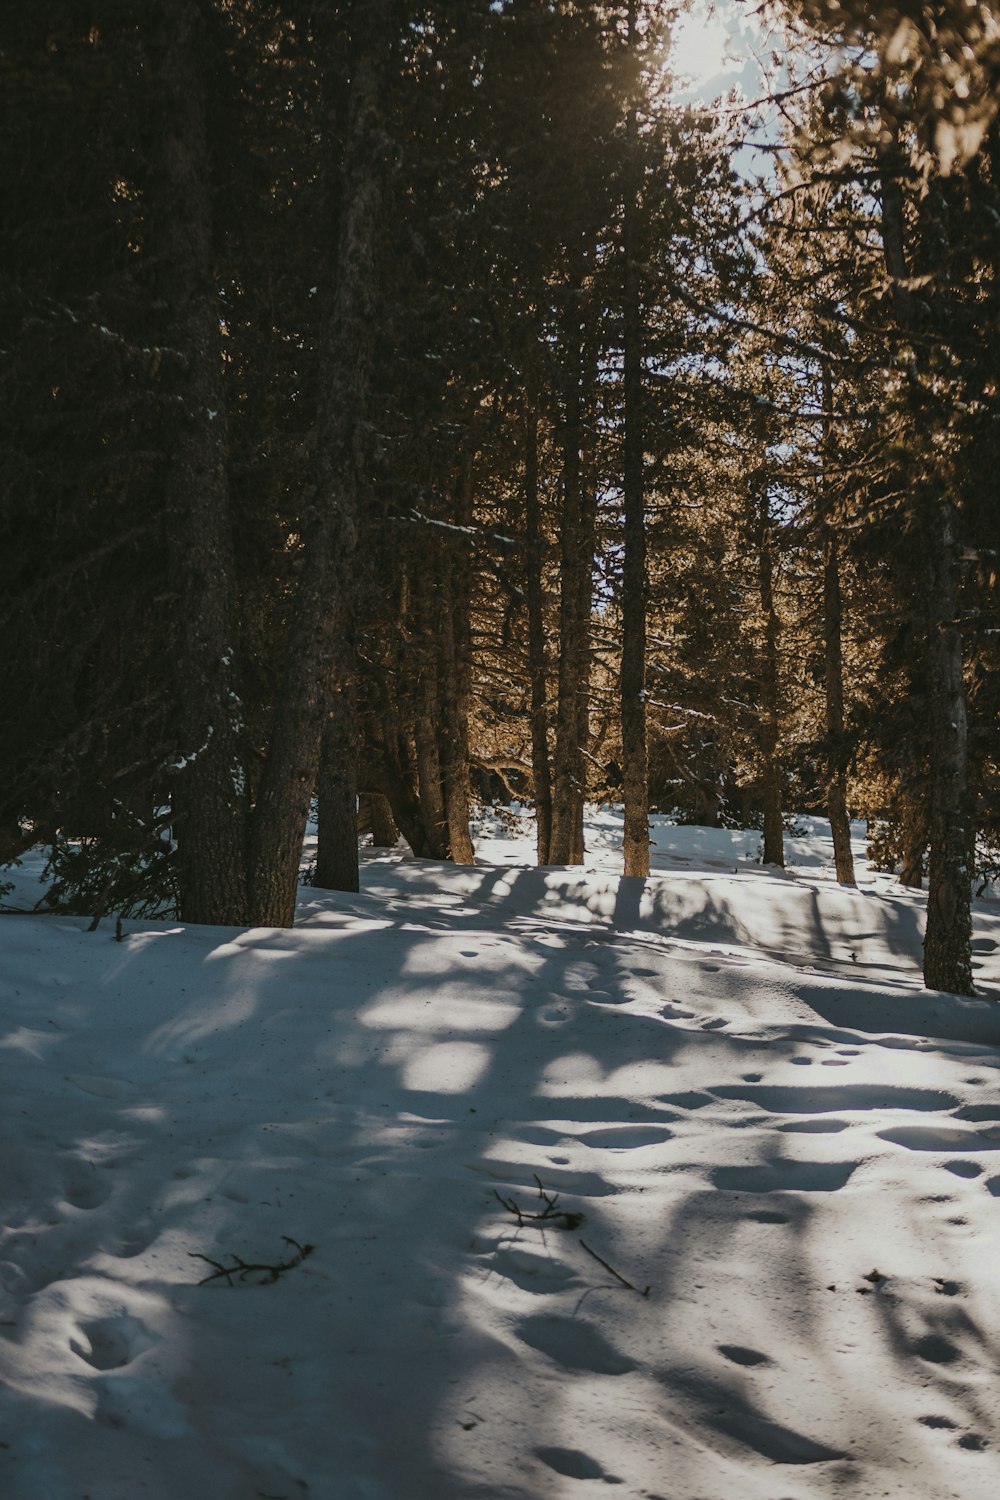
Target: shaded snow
735, 1076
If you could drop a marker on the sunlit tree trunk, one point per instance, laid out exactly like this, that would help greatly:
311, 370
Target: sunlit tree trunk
774, 840
635, 771
538, 674
836, 789
576, 558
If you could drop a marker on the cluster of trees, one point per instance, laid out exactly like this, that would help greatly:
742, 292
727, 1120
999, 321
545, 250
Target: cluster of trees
408, 401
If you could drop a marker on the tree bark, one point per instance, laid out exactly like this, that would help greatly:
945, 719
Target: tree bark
375, 817
948, 936
337, 798
454, 681
538, 673
317, 628
209, 801
635, 760
569, 778
774, 839
836, 789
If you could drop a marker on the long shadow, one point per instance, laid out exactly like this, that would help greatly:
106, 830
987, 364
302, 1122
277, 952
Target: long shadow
522, 1052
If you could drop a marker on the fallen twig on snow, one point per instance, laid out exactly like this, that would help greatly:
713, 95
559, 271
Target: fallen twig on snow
559, 1218
270, 1271
614, 1273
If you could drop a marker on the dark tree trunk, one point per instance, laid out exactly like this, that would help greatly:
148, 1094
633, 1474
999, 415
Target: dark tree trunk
635, 760
836, 789
454, 682
538, 672
774, 839
430, 783
569, 778
209, 801
375, 817
337, 797
948, 938
318, 618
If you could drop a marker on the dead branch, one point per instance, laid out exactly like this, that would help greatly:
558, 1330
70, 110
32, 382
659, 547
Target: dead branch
269, 1271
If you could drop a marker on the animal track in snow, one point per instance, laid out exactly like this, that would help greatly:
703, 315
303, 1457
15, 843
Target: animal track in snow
738, 1355
934, 1138
936, 1349
85, 1187
532, 1271
778, 1175
802, 1100
575, 1464
111, 1343
626, 1137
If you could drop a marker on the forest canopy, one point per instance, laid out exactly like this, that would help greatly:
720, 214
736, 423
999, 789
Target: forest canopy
423, 403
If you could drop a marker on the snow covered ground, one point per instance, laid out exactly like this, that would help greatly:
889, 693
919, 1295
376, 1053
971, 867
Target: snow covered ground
785, 1145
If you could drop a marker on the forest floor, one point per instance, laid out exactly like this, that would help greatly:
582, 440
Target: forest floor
455, 1115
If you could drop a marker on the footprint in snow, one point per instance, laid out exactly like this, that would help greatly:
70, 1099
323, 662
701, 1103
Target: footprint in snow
574, 1345
575, 1464
85, 1187
532, 1271
937, 1350
738, 1355
931, 1138
112, 1343
626, 1137
779, 1175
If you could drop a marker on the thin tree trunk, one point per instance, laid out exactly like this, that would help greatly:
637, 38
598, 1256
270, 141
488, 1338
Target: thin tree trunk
635, 762
576, 566
537, 656
330, 540
836, 790
774, 839
209, 799
430, 784
454, 680
337, 796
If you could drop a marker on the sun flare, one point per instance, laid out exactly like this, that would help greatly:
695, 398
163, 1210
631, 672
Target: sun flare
698, 52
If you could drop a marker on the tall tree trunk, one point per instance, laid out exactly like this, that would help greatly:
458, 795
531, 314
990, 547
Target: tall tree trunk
635, 762
538, 673
774, 838
948, 937
430, 780
569, 778
318, 622
836, 788
209, 800
337, 796
454, 680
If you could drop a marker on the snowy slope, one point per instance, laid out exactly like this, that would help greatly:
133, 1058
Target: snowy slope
734, 1075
